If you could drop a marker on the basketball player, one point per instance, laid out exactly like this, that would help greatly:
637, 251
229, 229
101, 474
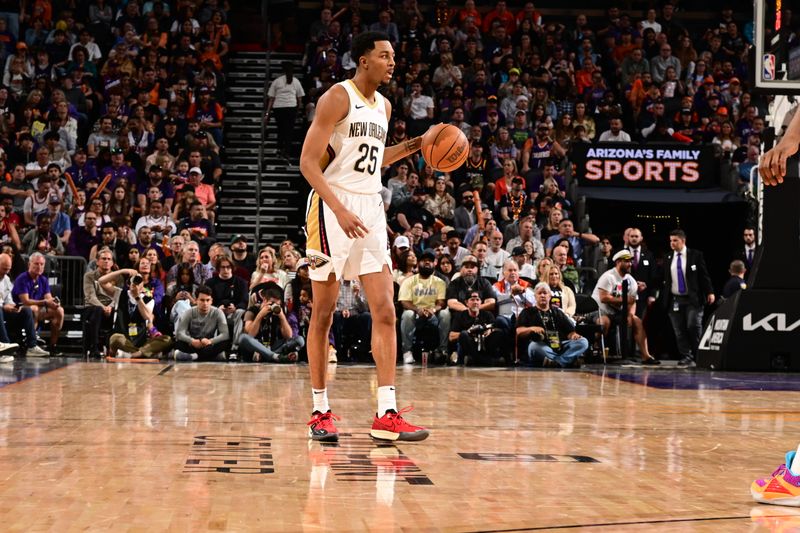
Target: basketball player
342, 156
783, 486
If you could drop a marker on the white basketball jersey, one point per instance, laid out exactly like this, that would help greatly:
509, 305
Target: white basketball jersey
355, 150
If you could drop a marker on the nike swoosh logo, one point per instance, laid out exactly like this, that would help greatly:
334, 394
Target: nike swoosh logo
315, 392
359, 106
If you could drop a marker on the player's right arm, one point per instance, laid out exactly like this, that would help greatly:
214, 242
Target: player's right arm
331, 108
772, 166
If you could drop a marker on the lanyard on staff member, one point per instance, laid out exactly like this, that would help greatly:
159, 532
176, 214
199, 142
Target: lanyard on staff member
550, 329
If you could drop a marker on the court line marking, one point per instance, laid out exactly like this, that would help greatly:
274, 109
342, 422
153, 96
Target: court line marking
165, 370
613, 524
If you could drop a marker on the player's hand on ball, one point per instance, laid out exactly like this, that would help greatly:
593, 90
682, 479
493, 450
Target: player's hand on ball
772, 166
352, 226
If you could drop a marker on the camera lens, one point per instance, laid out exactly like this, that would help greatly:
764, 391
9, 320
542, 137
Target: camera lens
136, 280
276, 309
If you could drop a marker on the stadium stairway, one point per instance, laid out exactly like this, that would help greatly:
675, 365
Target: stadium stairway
282, 198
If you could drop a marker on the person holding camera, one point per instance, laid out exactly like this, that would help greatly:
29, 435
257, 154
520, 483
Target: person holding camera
478, 341
554, 341
134, 335
32, 290
268, 335
202, 331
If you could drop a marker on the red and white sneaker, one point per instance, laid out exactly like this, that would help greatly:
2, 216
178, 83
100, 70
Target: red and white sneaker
392, 426
322, 428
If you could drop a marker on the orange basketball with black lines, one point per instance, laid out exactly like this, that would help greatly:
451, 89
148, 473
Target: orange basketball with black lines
445, 147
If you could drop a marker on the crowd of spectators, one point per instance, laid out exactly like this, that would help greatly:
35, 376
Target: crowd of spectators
481, 254
110, 137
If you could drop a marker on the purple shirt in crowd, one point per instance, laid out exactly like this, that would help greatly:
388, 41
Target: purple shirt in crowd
34, 288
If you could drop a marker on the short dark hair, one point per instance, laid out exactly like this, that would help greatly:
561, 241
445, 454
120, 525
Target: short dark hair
203, 289
111, 225
363, 43
678, 233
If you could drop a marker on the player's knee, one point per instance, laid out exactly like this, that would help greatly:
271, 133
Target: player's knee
383, 317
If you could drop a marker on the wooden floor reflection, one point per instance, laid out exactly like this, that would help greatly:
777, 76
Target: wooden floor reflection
196, 447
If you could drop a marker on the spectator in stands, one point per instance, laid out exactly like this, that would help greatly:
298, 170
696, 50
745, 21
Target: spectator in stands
202, 331
441, 203
243, 260
145, 241
100, 305
553, 339
60, 223
200, 228
14, 317
477, 343
191, 256
615, 133
42, 239
465, 215
566, 230
203, 192
524, 262
83, 239
459, 287
419, 110
527, 232
662, 62
422, 297
18, 188
454, 250
608, 294
513, 295
37, 203
268, 336
267, 270
32, 290
160, 223
8, 229
108, 238
568, 272
496, 255
562, 296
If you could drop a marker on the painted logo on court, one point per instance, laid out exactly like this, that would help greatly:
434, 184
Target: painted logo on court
227, 454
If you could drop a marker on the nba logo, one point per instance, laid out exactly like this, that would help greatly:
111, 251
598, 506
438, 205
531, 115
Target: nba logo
768, 72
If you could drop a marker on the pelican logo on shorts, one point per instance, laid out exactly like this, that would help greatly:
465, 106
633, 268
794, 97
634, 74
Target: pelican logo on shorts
317, 261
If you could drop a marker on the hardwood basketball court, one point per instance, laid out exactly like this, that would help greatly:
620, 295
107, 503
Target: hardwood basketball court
223, 447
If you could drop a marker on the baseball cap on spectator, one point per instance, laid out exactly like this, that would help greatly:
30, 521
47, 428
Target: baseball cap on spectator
522, 97
513, 71
200, 134
734, 80
713, 96
195, 170
517, 251
22, 46
520, 112
709, 79
55, 200
492, 98
236, 238
303, 263
427, 254
155, 168
116, 150
203, 90
469, 259
402, 242
686, 111
492, 113
722, 111
170, 120
447, 229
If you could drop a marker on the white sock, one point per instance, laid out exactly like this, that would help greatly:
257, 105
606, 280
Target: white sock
320, 398
795, 468
386, 400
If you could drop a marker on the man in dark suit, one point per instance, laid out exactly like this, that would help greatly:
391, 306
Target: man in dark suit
643, 270
687, 288
747, 253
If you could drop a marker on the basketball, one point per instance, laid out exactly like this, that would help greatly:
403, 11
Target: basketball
445, 147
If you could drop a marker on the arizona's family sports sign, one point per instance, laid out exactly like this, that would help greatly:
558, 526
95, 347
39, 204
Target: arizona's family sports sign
653, 166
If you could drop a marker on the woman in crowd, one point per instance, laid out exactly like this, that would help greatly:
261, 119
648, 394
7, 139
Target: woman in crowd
407, 264
504, 148
182, 294
562, 296
266, 269
503, 184
120, 204
154, 288
156, 271
445, 267
8, 230
441, 203
582, 119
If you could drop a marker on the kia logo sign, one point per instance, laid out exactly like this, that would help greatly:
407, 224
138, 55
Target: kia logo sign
771, 322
